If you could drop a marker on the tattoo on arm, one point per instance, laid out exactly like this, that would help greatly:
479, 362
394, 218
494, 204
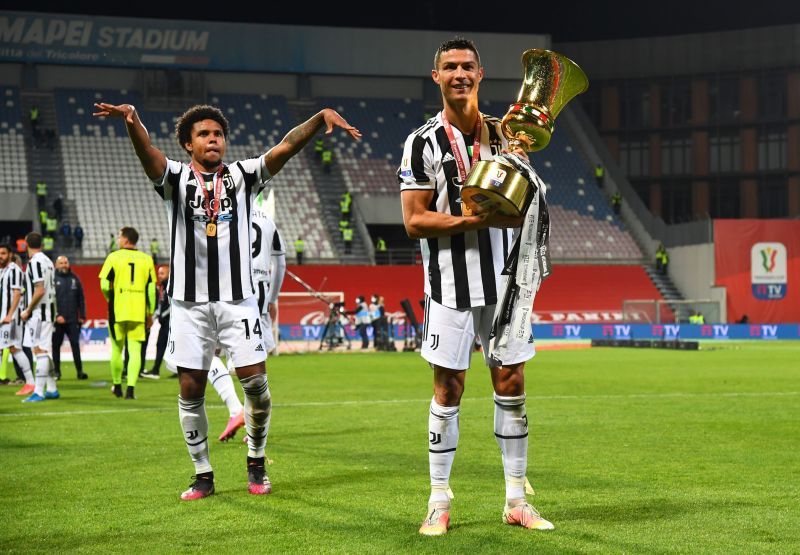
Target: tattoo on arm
298, 137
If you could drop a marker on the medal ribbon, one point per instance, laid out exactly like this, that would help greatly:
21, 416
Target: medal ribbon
211, 212
476, 146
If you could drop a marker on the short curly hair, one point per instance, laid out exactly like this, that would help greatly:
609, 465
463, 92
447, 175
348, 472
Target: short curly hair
183, 127
456, 43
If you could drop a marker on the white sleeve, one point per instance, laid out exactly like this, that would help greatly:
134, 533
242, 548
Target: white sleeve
171, 178
278, 273
416, 169
257, 166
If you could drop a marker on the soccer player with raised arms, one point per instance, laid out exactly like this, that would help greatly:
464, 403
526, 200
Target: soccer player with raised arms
211, 287
128, 282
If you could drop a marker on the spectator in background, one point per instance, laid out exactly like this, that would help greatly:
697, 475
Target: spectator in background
162, 315
51, 226
616, 202
362, 319
154, 250
58, 207
48, 245
347, 236
43, 218
70, 315
319, 146
327, 159
112, 244
299, 247
380, 251
33, 115
22, 250
41, 195
78, 236
662, 259
599, 174
66, 234
344, 205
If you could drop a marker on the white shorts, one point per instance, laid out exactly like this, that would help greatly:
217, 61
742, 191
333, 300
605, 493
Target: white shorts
11, 335
269, 336
38, 334
449, 335
197, 329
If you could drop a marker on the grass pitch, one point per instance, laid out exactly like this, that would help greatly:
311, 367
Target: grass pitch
631, 450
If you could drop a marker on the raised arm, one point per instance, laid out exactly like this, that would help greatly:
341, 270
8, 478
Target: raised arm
153, 160
297, 138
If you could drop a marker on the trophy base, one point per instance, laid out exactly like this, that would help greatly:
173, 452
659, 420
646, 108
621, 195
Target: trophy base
496, 188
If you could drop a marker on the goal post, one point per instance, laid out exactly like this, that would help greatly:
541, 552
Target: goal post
662, 311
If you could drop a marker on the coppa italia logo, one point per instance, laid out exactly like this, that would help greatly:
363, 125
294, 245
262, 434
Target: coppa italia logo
768, 256
768, 271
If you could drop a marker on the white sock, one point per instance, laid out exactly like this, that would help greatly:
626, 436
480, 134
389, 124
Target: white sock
42, 373
511, 431
257, 410
194, 422
442, 443
223, 383
25, 365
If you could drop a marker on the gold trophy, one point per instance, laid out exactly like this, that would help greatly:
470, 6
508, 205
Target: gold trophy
550, 81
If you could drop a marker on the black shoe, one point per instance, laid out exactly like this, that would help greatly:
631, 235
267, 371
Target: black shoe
82, 376
149, 375
58, 375
203, 486
5, 382
129, 393
117, 390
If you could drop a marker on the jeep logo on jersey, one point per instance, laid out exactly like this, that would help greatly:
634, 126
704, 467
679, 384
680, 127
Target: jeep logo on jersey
201, 203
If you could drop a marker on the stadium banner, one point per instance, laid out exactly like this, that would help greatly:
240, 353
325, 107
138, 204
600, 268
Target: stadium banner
668, 332
566, 297
27, 37
758, 262
95, 332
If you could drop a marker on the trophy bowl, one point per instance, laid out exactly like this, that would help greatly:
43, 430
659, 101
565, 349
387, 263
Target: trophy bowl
496, 188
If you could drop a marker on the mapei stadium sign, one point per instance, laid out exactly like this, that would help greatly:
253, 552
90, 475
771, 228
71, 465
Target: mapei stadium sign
96, 40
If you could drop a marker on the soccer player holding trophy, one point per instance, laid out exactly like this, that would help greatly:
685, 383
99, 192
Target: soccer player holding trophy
471, 197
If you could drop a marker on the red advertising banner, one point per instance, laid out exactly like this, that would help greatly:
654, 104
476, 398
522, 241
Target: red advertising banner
758, 262
574, 293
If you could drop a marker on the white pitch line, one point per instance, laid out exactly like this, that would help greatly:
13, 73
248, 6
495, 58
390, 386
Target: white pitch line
676, 395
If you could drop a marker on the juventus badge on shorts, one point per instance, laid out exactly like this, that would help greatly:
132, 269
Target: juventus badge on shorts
434, 341
211, 229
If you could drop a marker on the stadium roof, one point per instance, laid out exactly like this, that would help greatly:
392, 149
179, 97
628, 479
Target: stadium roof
580, 20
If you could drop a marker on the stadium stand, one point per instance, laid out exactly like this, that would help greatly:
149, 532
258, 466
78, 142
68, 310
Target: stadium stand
369, 166
98, 158
12, 143
583, 225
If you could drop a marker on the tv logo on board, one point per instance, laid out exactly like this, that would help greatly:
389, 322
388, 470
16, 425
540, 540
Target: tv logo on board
617, 331
768, 271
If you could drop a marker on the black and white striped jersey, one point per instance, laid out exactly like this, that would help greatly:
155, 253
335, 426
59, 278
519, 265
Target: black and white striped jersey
267, 242
211, 268
41, 270
11, 280
462, 270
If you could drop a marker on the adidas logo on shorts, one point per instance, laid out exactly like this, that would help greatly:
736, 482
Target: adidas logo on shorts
447, 158
260, 348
